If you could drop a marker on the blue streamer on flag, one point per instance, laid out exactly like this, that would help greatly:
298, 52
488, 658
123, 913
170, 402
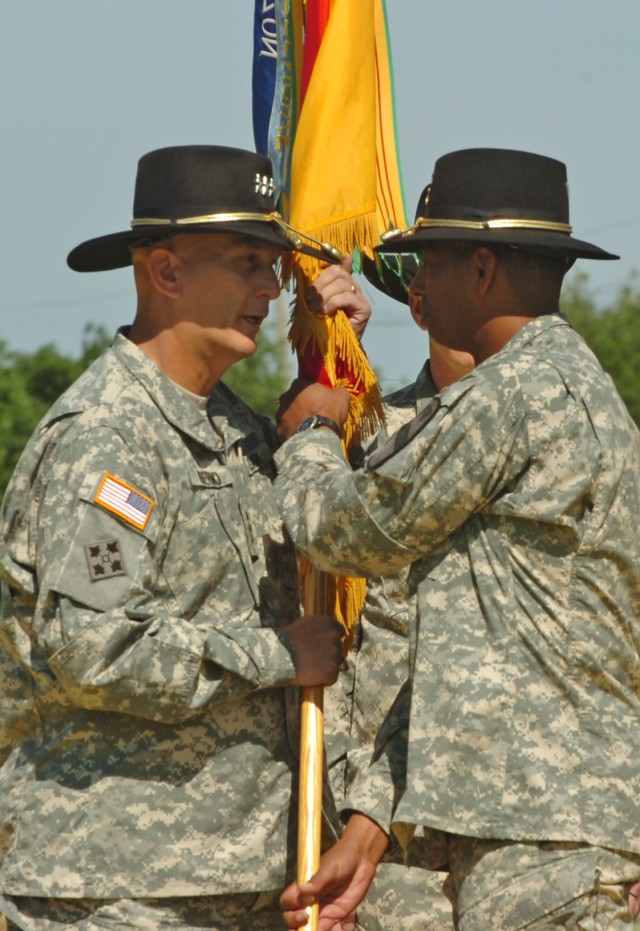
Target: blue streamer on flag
275, 90
265, 62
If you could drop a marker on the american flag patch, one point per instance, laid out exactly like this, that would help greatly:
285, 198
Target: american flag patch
127, 502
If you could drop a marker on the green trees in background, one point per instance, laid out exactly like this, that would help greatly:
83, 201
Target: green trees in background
30, 383
612, 332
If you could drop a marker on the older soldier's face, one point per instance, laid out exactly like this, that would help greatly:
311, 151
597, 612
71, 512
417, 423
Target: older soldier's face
227, 283
438, 295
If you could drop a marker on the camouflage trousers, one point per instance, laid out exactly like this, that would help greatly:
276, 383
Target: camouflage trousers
403, 898
250, 911
539, 886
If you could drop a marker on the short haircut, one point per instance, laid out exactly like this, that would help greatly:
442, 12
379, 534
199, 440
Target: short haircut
525, 267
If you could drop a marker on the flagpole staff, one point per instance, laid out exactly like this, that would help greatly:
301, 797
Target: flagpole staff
311, 756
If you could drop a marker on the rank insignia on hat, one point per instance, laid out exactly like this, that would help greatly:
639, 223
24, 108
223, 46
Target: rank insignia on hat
126, 502
264, 185
104, 559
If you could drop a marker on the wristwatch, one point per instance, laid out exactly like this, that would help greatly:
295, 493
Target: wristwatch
317, 420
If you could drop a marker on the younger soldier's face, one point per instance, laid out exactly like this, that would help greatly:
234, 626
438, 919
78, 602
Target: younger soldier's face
227, 282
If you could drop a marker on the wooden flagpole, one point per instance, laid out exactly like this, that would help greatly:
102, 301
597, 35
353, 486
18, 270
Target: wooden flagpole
311, 756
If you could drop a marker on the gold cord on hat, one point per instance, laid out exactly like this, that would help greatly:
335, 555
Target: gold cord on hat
295, 237
494, 224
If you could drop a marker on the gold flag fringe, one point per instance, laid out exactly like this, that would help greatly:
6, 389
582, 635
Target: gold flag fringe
333, 338
344, 599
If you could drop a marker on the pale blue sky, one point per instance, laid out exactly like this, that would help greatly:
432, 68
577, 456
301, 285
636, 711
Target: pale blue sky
90, 85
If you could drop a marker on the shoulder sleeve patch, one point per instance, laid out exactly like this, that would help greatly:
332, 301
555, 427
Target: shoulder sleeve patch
403, 436
104, 559
133, 506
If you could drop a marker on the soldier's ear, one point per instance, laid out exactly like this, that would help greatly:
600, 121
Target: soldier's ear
162, 267
415, 308
484, 265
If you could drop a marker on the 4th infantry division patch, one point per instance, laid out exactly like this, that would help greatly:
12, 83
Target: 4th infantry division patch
105, 560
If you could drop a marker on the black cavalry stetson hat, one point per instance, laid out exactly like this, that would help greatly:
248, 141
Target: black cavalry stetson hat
197, 188
495, 196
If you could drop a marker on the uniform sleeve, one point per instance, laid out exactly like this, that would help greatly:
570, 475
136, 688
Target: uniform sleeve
377, 786
412, 493
116, 635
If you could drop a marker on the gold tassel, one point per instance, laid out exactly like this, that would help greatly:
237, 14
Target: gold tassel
344, 599
334, 339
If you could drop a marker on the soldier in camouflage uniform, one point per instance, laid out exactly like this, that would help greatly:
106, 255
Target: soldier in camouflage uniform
150, 609
514, 498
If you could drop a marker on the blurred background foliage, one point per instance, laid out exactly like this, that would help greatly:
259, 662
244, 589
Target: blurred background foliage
31, 382
612, 332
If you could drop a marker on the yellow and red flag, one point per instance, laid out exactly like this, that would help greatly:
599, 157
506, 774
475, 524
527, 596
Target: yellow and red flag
323, 111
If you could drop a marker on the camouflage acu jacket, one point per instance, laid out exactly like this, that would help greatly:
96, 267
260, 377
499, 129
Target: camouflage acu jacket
356, 706
515, 498
146, 572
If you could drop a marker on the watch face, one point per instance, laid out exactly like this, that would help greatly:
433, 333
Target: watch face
307, 423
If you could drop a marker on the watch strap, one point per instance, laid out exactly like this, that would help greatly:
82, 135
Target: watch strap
317, 420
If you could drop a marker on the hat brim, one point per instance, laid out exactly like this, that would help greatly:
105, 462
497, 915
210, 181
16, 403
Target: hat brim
105, 253
392, 281
547, 241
